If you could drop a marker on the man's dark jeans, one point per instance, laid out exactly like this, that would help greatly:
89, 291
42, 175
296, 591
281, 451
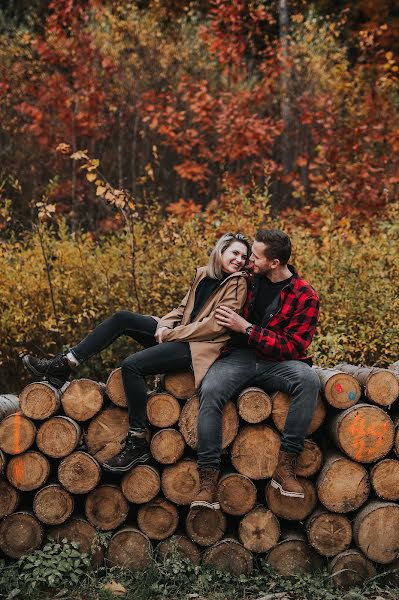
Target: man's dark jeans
156, 358
229, 375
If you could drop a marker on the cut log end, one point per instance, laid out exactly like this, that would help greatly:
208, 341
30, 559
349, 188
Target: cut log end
205, 526
236, 493
180, 482
20, 534
106, 507
17, 434
292, 509
254, 405
163, 410
158, 519
53, 505
39, 401
79, 473
229, 555
167, 446
181, 385
350, 568
115, 390
130, 549
82, 399
259, 530
141, 484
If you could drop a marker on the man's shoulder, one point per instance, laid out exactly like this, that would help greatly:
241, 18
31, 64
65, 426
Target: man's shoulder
301, 287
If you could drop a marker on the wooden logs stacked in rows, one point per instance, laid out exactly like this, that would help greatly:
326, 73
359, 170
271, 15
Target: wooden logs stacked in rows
52, 445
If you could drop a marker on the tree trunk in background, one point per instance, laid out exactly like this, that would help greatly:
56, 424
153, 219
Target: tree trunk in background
284, 189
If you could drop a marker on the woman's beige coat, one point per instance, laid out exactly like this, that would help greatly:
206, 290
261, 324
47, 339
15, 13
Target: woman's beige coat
205, 336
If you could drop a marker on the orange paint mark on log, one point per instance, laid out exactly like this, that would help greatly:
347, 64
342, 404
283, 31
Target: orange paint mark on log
367, 437
18, 468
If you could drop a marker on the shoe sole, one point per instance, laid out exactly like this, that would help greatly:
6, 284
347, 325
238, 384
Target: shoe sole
283, 492
143, 459
58, 383
212, 506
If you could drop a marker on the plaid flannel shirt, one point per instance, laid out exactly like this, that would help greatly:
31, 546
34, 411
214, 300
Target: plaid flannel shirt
289, 331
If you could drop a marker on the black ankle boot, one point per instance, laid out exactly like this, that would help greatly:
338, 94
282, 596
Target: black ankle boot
56, 370
135, 452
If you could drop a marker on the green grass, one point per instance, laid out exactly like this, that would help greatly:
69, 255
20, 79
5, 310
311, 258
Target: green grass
52, 573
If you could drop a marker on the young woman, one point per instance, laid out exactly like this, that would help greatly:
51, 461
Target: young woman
187, 337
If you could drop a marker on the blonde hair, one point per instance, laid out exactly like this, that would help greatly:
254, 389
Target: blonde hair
214, 267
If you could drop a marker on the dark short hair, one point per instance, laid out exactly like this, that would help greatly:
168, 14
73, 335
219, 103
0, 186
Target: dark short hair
278, 244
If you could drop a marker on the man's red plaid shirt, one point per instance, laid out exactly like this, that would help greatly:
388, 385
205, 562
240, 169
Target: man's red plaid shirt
289, 332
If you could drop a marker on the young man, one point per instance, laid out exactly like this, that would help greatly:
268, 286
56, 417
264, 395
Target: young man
268, 350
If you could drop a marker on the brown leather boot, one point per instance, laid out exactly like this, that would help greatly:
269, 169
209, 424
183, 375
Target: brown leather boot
284, 478
207, 495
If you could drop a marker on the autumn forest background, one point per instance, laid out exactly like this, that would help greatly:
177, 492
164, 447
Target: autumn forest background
134, 133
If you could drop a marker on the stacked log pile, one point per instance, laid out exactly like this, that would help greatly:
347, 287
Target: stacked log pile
52, 444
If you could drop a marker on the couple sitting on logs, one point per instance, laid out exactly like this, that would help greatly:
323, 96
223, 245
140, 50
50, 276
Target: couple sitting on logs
266, 347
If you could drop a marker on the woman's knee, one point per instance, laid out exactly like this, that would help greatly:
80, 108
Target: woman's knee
123, 317
130, 364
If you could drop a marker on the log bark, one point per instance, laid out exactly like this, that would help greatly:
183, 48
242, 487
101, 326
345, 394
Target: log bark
2, 462
236, 493
141, 484
79, 473
329, 533
40, 400
309, 460
9, 404
17, 434
292, 509
181, 385
380, 385
163, 410
254, 405
181, 545
229, 555
395, 368
106, 507
9, 498
343, 485
259, 530
180, 482
58, 436
28, 471
115, 389
130, 549
280, 405
106, 433
340, 389
384, 477
294, 556
205, 526
53, 505
167, 446
20, 534
82, 399
158, 519
79, 530
254, 452
188, 423
364, 432
376, 531
350, 568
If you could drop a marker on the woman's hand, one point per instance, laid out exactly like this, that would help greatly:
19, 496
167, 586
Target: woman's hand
159, 334
228, 318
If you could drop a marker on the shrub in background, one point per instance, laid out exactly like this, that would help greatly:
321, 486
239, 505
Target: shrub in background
49, 304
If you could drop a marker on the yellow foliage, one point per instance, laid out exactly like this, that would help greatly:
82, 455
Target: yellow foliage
354, 270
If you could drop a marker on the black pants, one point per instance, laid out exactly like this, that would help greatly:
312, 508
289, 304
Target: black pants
156, 358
